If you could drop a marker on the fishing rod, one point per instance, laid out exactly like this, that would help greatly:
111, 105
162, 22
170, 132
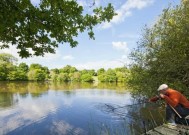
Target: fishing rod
156, 98
114, 108
175, 111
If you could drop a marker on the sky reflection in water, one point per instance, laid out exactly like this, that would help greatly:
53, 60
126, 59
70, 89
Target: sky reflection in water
41, 108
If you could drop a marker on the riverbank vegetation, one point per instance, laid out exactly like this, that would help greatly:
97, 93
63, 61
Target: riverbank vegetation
11, 71
162, 55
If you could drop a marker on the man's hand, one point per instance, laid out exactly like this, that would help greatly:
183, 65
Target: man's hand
154, 99
162, 95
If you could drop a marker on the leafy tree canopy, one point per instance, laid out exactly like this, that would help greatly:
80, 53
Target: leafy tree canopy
35, 66
8, 58
23, 67
100, 71
37, 30
163, 53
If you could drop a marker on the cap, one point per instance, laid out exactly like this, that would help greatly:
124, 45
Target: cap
162, 87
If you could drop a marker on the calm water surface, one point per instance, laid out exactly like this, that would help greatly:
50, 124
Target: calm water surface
67, 109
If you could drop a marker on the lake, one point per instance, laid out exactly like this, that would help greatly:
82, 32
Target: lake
31, 108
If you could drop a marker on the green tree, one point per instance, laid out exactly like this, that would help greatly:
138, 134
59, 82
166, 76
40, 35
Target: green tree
163, 54
41, 28
8, 58
73, 69
92, 72
63, 77
84, 71
121, 77
122, 74
86, 78
35, 66
23, 67
100, 71
53, 76
111, 75
16, 74
6, 65
102, 78
65, 69
12, 74
108, 76
3, 72
22, 71
56, 71
76, 76
36, 75
47, 72
22, 76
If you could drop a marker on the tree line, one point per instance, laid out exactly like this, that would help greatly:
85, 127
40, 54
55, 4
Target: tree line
11, 71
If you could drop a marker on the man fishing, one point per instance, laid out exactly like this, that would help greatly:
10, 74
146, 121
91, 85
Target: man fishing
177, 104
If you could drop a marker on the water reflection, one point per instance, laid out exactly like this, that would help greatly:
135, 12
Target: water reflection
66, 108
52, 108
7, 99
37, 89
62, 127
40, 87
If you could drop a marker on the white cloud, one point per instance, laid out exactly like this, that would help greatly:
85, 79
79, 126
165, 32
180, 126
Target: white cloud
121, 46
82, 3
48, 57
63, 128
20, 115
26, 115
99, 64
11, 50
126, 10
106, 25
35, 2
125, 60
68, 57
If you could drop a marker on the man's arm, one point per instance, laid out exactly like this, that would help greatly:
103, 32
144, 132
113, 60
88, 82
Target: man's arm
154, 99
173, 101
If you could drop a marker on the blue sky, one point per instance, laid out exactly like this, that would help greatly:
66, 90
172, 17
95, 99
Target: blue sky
113, 41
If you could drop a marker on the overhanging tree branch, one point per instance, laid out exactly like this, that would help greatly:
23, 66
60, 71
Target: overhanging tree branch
41, 28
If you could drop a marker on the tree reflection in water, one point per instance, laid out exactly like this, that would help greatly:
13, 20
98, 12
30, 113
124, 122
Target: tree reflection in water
139, 117
7, 99
10, 90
